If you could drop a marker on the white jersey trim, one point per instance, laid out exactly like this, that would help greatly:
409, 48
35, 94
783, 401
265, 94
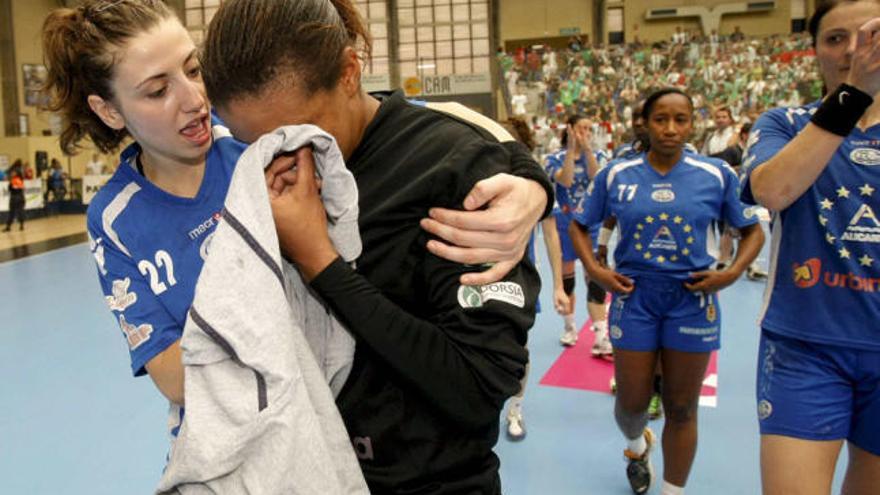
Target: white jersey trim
465, 113
219, 131
775, 242
712, 169
112, 212
617, 168
712, 243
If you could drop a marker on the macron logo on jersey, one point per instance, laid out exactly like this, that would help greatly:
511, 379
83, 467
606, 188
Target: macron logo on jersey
204, 226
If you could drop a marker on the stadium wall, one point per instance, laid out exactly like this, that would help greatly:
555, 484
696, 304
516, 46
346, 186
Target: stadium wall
547, 19
539, 19
776, 21
27, 21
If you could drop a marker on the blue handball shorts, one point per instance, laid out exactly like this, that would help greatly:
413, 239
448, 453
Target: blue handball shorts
661, 313
818, 391
563, 220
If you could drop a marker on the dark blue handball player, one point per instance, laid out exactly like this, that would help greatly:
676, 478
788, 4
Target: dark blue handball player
816, 168
665, 304
150, 225
571, 169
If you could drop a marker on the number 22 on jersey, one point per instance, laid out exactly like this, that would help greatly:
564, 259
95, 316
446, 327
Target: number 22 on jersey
151, 270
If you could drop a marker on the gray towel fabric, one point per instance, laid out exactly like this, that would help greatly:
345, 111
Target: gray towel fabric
259, 350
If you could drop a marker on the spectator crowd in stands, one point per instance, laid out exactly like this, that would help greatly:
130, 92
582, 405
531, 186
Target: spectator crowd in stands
746, 75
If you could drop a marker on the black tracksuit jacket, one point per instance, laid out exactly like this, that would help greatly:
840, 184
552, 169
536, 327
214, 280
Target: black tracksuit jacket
434, 361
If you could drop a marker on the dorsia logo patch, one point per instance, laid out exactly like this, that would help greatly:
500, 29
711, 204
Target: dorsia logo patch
506, 292
121, 298
663, 195
865, 156
469, 296
808, 274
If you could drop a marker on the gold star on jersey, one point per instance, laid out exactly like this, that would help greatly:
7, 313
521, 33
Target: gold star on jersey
666, 240
850, 222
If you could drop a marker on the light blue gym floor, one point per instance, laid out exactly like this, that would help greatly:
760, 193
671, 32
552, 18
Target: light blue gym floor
74, 421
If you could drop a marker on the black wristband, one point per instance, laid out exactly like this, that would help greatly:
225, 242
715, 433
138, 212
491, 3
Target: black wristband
841, 110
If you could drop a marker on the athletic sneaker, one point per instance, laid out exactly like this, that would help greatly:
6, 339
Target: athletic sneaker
655, 408
601, 343
755, 272
516, 427
569, 337
639, 470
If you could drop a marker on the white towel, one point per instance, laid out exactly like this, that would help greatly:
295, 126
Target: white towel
259, 350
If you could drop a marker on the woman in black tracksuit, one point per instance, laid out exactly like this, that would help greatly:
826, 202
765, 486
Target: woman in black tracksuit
435, 359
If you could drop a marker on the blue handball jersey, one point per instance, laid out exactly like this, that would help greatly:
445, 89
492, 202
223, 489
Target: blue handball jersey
150, 246
665, 221
825, 249
568, 199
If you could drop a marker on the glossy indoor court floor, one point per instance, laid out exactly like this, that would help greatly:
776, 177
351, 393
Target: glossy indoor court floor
74, 421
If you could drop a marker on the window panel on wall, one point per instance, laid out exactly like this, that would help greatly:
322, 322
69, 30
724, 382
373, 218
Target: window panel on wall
407, 51
407, 35
380, 47
406, 17
194, 18
443, 33
378, 10
461, 13
481, 65
442, 13
480, 30
463, 66
444, 49
212, 3
408, 69
444, 66
379, 30
426, 68
425, 33
444, 37
426, 49
193, 4
424, 15
479, 11
379, 65
615, 20
480, 47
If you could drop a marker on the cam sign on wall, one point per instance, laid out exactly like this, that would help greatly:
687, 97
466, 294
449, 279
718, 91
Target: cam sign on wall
455, 84
33, 194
